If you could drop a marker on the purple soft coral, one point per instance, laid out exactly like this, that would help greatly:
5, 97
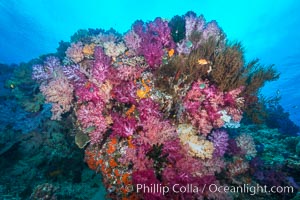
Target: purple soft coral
174, 151
45, 72
147, 179
148, 108
220, 140
211, 30
155, 36
161, 30
122, 126
101, 65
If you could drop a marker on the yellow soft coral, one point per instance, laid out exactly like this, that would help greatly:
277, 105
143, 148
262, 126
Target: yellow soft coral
143, 93
88, 49
198, 147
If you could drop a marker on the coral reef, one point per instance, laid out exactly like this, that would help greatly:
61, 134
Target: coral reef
161, 104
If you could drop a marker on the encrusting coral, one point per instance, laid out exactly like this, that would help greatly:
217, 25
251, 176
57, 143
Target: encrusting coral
154, 103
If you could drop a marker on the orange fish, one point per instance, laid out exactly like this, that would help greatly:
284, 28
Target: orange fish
171, 52
202, 62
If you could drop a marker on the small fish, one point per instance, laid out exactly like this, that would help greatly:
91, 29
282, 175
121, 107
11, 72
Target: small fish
202, 86
189, 44
87, 85
12, 86
171, 52
202, 62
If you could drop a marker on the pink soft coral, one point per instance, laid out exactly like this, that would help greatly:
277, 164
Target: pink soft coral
59, 92
125, 92
156, 131
132, 41
101, 65
137, 156
74, 52
88, 92
148, 108
203, 105
90, 117
174, 150
128, 73
148, 179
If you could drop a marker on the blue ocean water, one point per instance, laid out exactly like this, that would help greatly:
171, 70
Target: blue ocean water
269, 30
44, 150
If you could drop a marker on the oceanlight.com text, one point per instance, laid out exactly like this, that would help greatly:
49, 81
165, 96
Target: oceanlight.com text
213, 188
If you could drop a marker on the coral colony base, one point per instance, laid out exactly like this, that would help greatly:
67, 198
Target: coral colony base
160, 107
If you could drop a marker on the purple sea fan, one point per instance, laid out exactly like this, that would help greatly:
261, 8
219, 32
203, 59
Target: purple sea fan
101, 65
122, 126
220, 141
